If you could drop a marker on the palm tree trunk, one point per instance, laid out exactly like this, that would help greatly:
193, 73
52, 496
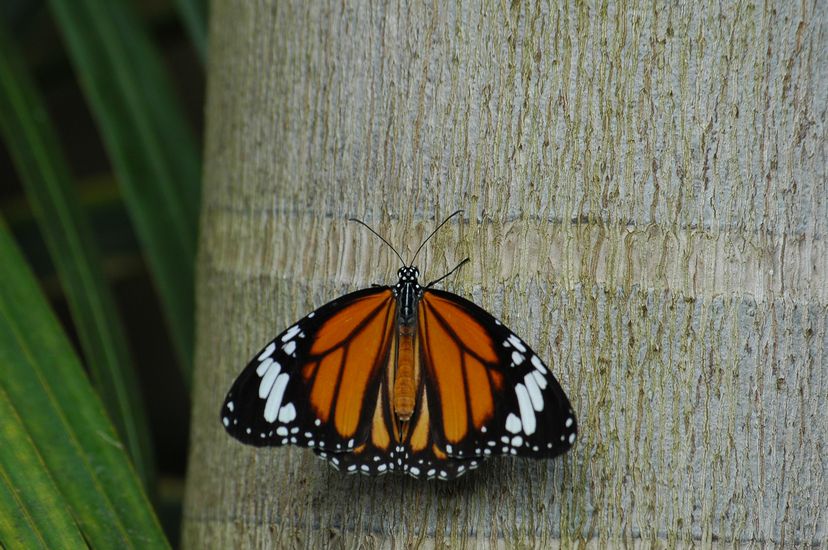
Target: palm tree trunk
645, 196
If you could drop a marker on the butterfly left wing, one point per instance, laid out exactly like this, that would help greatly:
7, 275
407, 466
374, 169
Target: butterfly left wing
316, 384
488, 392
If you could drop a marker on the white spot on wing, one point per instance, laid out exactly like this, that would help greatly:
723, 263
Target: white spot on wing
311, 314
513, 423
517, 357
517, 441
230, 407
527, 414
290, 333
281, 430
538, 364
534, 391
226, 421
290, 347
571, 438
274, 400
271, 347
568, 421
287, 413
540, 380
515, 341
267, 382
263, 366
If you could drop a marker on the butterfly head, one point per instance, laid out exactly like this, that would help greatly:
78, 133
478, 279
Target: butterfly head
408, 274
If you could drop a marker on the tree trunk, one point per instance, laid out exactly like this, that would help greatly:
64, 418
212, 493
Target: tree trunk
645, 203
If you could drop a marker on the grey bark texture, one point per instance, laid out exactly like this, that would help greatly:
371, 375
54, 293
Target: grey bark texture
646, 203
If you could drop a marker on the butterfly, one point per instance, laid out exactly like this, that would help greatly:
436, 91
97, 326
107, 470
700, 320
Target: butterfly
404, 378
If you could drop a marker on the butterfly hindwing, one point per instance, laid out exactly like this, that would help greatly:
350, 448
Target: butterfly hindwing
488, 392
316, 383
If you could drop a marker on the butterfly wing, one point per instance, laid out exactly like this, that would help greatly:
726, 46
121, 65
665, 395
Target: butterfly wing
316, 384
488, 392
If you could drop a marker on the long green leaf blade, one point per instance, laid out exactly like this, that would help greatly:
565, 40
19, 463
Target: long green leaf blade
194, 15
149, 143
67, 424
34, 513
45, 176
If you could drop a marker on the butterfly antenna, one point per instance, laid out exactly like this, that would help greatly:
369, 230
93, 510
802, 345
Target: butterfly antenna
432, 234
458, 266
380, 237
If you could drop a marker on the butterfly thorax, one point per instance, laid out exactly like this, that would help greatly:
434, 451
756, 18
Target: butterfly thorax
408, 293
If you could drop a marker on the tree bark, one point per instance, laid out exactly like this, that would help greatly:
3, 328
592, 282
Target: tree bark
645, 203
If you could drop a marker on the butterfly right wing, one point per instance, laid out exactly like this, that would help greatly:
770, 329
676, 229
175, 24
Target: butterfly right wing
316, 384
488, 392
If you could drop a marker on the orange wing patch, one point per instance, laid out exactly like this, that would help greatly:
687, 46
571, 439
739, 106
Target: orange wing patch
468, 330
361, 359
482, 404
324, 385
341, 326
420, 437
459, 355
347, 352
379, 431
444, 356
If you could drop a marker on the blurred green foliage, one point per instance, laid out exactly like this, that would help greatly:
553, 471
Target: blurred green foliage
100, 117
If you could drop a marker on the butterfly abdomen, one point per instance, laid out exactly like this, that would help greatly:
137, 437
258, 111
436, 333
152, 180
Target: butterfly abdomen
404, 387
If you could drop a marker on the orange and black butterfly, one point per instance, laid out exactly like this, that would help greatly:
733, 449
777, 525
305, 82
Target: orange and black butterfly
404, 378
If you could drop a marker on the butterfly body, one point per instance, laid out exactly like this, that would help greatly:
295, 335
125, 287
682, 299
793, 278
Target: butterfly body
407, 292
401, 378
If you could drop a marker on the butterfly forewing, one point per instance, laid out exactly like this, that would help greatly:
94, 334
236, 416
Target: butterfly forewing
316, 383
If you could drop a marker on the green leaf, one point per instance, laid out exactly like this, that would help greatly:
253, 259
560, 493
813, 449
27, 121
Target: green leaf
149, 143
45, 176
34, 512
194, 15
70, 439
